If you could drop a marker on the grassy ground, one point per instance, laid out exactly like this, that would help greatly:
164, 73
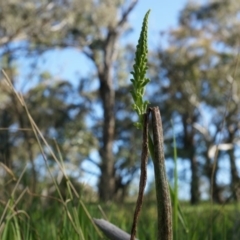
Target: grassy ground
203, 221
70, 221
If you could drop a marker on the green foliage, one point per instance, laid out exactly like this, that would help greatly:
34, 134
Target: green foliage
139, 80
38, 222
61, 110
199, 77
56, 222
199, 219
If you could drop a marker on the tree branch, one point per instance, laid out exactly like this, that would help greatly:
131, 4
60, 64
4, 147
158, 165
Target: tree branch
126, 13
111, 231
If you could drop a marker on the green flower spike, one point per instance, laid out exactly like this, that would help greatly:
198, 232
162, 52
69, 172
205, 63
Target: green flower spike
139, 80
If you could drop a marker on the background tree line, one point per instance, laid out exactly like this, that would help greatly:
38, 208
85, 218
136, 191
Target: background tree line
194, 80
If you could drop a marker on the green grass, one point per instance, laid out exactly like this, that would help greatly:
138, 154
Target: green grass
52, 222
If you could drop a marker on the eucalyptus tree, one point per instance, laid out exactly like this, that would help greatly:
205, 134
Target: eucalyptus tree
53, 115
198, 86
93, 28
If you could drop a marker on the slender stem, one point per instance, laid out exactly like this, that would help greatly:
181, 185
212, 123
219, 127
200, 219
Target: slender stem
164, 206
143, 175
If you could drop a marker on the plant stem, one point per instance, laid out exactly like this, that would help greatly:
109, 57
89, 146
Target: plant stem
164, 206
143, 175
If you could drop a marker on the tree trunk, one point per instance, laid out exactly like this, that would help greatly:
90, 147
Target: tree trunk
195, 195
107, 95
190, 149
234, 175
103, 54
4, 140
107, 179
215, 189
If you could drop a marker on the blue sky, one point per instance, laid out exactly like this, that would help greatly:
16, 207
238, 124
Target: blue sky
163, 16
